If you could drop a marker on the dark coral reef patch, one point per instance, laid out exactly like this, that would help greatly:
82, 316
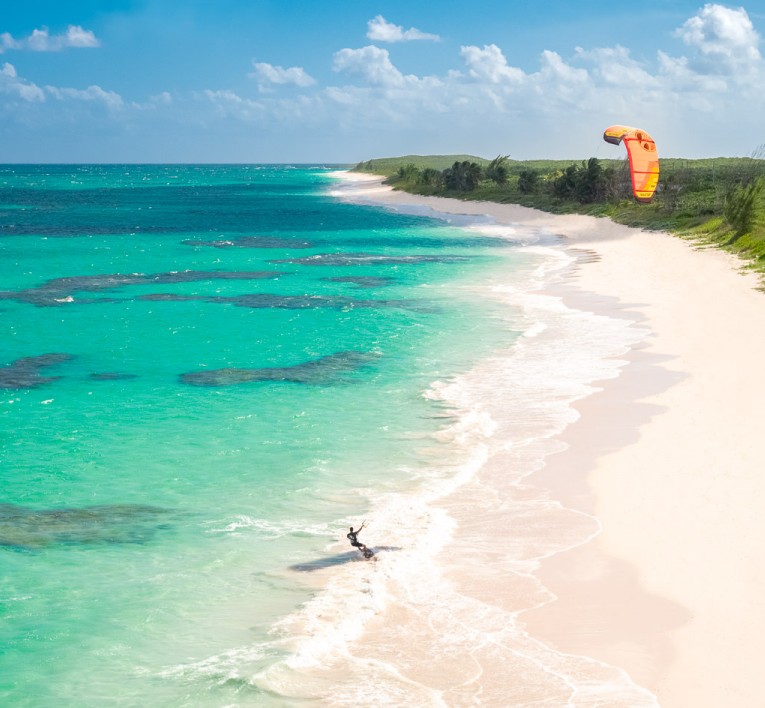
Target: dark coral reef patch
286, 302
23, 528
60, 291
362, 281
325, 370
25, 372
111, 376
352, 259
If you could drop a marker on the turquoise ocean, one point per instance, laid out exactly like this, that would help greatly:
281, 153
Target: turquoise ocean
207, 374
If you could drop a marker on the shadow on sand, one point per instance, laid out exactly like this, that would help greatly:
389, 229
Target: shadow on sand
339, 559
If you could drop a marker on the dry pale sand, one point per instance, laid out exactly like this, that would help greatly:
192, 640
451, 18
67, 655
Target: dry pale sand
672, 462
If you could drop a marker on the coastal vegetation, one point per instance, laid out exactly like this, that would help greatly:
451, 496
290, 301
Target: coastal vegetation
719, 201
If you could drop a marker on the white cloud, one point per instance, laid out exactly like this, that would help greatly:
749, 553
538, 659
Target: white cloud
724, 36
165, 98
163, 101
372, 63
223, 96
268, 74
614, 66
677, 72
344, 97
92, 94
489, 64
557, 70
230, 104
7, 42
76, 36
42, 41
10, 83
378, 30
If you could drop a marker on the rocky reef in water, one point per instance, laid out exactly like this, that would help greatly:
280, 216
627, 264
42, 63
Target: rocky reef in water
22, 528
25, 372
352, 259
61, 291
325, 370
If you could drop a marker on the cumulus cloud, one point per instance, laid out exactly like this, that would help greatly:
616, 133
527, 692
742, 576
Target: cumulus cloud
164, 99
268, 74
724, 36
7, 42
379, 30
230, 104
76, 36
42, 41
677, 73
558, 82
489, 64
371, 63
12, 84
614, 66
92, 94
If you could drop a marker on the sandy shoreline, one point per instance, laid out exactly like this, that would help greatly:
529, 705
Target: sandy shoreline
669, 459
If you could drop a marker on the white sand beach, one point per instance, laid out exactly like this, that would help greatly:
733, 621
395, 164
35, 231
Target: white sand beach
668, 456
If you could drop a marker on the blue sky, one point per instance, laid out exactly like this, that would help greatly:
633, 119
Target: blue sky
348, 80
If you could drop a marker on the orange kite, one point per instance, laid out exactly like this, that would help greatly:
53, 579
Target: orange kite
644, 160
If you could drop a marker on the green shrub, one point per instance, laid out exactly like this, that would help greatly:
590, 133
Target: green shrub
528, 182
498, 170
462, 176
743, 207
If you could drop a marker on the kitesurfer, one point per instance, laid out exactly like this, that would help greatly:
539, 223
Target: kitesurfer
353, 538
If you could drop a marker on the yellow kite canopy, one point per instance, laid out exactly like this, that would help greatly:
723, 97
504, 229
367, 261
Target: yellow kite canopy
644, 160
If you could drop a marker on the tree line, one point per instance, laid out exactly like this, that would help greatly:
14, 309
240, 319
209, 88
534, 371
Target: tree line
585, 183
731, 188
462, 176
